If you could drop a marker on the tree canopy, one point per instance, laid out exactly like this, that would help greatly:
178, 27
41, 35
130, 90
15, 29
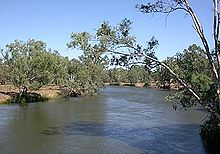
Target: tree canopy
31, 65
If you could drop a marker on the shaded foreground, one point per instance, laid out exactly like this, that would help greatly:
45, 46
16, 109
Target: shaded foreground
119, 120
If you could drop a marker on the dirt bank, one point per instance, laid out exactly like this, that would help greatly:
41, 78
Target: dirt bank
7, 91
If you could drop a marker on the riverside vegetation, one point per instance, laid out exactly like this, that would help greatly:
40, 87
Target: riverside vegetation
30, 65
30, 69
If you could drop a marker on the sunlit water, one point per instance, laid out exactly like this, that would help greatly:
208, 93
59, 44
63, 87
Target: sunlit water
119, 120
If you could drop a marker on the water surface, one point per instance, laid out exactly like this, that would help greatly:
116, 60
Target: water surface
119, 120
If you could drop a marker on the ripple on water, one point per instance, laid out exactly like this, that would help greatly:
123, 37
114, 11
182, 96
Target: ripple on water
120, 120
159, 139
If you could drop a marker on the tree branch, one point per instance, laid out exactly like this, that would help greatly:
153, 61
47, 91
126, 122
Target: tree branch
200, 32
216, 30
209, 109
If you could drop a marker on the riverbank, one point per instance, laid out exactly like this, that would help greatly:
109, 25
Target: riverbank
51, 92
46, 92
171, 86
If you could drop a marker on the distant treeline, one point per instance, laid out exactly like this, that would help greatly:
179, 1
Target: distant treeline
31, 65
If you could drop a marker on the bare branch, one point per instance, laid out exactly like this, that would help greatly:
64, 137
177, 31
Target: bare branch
161, 7
216, 51
170, 6
200, 32
216, 30
209, 109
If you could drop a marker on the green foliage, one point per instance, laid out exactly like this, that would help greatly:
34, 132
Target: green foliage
135, 74
210, 133
30, 65
201, 81
118, 75
115, 43
194, 68
89, 72
191, 65
181, 99
138, 74
192, 60
85, 79
162, 75
80, 40
2, 74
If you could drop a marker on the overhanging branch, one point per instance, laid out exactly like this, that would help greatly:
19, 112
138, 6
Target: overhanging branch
200, 32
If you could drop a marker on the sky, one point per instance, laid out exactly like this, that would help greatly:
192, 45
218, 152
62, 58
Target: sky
53, 21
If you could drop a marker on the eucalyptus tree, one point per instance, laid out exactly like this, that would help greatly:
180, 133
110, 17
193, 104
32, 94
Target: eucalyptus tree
210, 130
193, 66
213, 56
211, 127
138, 74
92, 64
29, 65
119, 41
161, 76
190, 65
118, 75
2, 74
82, 79
126, 51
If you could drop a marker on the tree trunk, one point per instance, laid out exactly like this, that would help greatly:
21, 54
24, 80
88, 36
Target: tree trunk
22, 98
218, 98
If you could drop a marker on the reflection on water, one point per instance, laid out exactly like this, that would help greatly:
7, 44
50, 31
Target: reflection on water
119, 120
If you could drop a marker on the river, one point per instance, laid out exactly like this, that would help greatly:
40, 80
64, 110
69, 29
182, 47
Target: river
118, 120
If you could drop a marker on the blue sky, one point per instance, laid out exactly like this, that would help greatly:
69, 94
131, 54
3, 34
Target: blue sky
52, 21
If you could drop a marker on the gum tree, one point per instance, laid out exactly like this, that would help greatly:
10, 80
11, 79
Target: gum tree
210, 129
125, 51
90, 69
30, 65
137, 74
213, 56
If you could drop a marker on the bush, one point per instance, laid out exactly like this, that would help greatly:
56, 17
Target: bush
210, 133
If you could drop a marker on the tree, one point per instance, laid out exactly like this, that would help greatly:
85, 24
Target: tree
210, 130
57, 67
118, 75
29, 65
138, 74
190, 65
2, 75
194, 68
126, 51
91, 67
162, 77
213, 57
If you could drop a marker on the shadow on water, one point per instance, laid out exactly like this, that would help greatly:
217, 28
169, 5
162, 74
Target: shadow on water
51, 131
164, 139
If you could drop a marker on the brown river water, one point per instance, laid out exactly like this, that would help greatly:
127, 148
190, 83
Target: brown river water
118, 120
